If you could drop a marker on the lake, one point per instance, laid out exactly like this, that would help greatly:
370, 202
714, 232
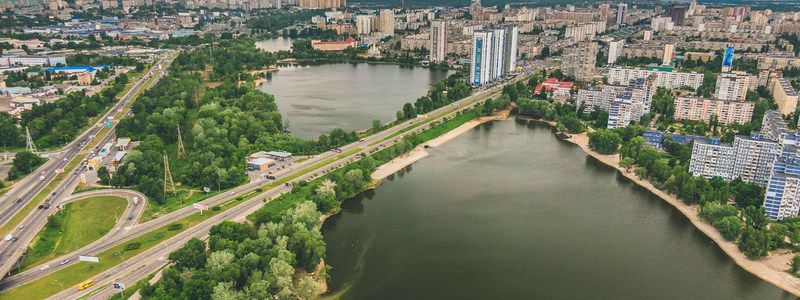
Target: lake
318, 98
275, 44
509, 211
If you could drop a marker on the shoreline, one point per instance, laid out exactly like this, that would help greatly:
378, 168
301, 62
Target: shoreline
771, 269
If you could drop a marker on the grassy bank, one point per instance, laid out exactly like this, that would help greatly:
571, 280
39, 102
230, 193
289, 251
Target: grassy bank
172, 203
78, 224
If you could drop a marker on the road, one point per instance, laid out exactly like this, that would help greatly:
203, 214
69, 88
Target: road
11, 252
154, 258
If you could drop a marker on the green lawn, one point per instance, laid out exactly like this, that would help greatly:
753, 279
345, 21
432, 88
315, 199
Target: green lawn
173, 203
60, 280
78, 224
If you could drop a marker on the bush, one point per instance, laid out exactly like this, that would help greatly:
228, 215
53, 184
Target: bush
216, 208
132, 246
713, 211
259, 190
174, 227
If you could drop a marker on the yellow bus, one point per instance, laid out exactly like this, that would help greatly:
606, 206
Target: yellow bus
85, 285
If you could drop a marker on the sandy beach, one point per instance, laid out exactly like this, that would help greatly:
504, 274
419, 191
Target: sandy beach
397, 164
772, 268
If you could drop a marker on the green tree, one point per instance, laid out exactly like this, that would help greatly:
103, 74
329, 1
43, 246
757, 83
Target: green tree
755, 243
23, 164
190, 256
103, 175
627, 163
729, 227
408, 111
604, 141
376, 125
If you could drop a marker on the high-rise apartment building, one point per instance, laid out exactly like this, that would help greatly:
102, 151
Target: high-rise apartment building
615, 50
622, 13
322, 3
386, 22
749, 158
364, 24
785, 95
669, 54
494, 54
579, 61
624, 104
438, 47
702, 109
732, 86
678, 14
667, 79
585, 31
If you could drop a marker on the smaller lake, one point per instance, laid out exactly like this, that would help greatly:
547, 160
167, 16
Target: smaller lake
315, 99
277, 44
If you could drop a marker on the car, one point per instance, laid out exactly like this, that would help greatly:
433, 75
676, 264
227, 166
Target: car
64, 262
45, 267
40, 206
19, 200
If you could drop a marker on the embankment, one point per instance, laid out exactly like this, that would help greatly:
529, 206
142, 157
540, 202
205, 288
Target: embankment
771, 269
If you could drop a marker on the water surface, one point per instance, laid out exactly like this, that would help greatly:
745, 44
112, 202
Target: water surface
508, 211
275, 44
318, 98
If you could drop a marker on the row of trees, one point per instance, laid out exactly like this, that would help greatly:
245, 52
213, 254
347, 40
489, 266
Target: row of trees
244, 261
56, 123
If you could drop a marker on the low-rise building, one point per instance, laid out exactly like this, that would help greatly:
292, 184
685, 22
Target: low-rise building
561, 90
334, 46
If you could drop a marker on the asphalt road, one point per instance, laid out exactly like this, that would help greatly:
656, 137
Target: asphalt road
153, 259
10, 252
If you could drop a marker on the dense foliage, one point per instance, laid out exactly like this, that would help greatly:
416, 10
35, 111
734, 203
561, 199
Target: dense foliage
23, 164
243, 261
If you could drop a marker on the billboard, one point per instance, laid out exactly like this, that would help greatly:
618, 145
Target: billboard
727, 60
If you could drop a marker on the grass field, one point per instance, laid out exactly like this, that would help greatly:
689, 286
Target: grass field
60, 280
173, 203
78, 224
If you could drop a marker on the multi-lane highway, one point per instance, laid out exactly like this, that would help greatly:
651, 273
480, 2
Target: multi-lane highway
154, 258
24, 232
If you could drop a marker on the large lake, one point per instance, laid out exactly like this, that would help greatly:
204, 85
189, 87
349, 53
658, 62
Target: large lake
318, 98
508, 211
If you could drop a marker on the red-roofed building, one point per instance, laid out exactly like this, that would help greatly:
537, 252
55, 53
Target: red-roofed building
333, 46
560, 90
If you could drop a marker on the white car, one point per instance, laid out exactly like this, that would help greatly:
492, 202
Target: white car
45, 267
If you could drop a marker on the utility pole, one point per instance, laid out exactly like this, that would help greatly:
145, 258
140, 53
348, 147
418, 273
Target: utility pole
181, 148
29, 145
169, 185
